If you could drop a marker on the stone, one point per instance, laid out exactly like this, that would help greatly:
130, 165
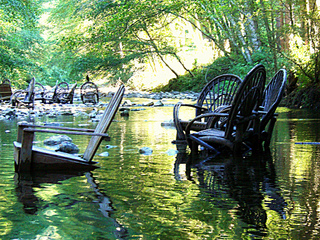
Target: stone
67, 147
127, 103
110, 146
168, 123
104, 154
149, 104
124, 113
158, 104
145, 151
57, 139
171, 152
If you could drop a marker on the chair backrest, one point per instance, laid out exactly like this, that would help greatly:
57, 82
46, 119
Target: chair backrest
89, 92
272, 96
5, 89
55, 93
39, 91
248, 98
29, 97
69, 97
64, 95
218, 92
104, 124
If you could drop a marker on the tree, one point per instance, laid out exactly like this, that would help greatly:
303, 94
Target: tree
113, 35
20, 38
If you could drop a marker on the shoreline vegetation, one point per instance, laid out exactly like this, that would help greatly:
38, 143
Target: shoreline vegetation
296, 96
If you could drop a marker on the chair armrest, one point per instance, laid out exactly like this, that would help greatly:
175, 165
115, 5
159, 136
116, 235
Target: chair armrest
177, 106
177, 121
265, 112
56, 127
193, 106
29, 129
205, 115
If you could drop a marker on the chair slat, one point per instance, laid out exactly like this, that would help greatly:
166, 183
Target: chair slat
104, 124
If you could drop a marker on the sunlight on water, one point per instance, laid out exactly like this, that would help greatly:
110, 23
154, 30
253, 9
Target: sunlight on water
165, 194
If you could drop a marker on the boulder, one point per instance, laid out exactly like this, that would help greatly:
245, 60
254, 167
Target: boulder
68, 147
57, 139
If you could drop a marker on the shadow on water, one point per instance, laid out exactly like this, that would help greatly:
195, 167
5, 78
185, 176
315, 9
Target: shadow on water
249, 181
26, 183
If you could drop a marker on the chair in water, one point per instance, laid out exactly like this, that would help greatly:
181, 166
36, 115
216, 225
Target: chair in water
31, 158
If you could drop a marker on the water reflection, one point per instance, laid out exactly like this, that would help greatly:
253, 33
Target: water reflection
268, 197
250, 181
27, 183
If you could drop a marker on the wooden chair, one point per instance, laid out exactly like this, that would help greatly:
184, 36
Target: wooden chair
89, 93
217, 94
242, 116
65, 96
39, 91
24, 97
5, 90
52, 95
272, 97
31, 158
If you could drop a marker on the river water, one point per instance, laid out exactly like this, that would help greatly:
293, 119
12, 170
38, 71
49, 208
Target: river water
166, 194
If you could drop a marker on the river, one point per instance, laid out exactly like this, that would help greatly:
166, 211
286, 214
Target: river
165, 194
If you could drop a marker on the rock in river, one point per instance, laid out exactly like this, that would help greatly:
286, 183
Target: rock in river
57, 139
145, 151
68, 147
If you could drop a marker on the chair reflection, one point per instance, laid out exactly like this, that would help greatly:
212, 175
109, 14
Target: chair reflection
250, 181
26, 183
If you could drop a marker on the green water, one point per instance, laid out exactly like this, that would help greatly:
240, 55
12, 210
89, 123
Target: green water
166, 195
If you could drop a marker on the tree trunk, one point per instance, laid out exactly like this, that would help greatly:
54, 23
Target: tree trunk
159, 54
270, 35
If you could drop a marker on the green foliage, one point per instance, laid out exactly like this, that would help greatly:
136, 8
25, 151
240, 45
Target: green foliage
20, 39
111, 40
109, 37
222, 65
185, 83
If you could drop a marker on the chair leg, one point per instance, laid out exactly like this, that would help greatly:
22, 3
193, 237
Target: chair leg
25, 158
256, 144
194, 147
237, 146
270, 130
194, 143
180, 134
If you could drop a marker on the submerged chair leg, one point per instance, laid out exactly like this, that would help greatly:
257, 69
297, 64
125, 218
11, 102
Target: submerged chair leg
270, 130
180, 134
24, 162
196, 141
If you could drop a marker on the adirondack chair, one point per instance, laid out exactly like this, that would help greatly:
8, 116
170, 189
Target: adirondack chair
24, 97
272, 97
89, 92
5, 90
31, 158
242, 116
217, 94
